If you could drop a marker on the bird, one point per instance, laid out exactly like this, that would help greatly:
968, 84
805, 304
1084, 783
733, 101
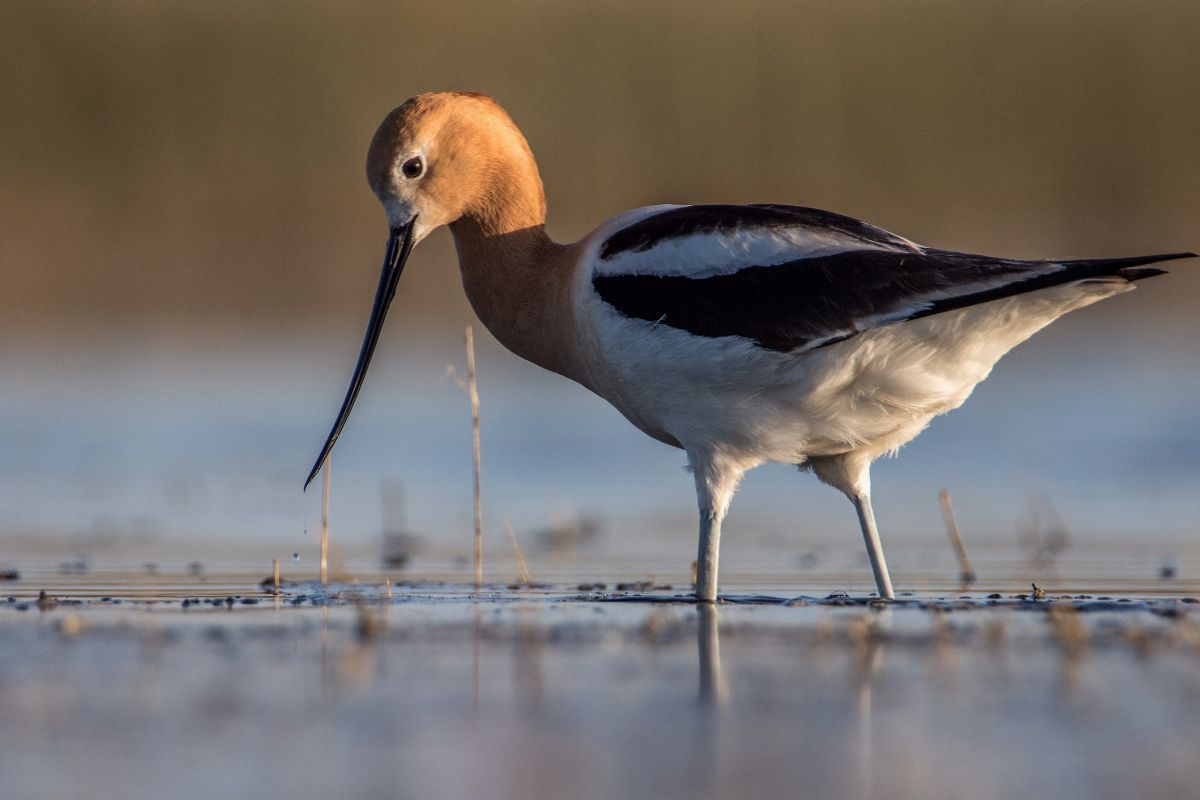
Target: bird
741, 334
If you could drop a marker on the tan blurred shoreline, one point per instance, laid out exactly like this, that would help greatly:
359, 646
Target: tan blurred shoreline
193, 165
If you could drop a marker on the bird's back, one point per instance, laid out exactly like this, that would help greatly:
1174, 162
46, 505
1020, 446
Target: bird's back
788, 332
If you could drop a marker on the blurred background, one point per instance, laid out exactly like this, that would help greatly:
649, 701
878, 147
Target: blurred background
188, 252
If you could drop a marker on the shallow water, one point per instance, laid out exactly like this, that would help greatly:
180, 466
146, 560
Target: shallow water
162, 666
135, 484
438, 691
211, 437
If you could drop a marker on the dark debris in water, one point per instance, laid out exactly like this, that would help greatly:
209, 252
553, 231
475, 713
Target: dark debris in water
1168, 607
642, 592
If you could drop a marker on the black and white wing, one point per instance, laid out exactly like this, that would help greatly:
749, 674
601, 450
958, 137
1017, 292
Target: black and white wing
792, 278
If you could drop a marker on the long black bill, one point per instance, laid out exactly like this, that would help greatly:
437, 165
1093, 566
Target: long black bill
400, 244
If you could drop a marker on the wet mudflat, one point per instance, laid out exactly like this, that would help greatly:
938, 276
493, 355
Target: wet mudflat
190, 688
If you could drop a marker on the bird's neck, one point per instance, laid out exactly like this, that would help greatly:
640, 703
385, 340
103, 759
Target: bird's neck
516, 279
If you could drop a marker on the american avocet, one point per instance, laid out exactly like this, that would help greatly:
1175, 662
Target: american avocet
741, 334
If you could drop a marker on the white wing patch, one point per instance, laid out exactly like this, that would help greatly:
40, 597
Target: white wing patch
724, 252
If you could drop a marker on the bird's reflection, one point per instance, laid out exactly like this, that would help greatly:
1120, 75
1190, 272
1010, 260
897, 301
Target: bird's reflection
869, 658
711, 701
714, 693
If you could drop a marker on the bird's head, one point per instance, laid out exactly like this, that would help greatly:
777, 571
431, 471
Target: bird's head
439, 159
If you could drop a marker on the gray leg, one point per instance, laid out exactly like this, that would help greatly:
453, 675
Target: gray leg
866, 518
707, 557
716, 481
850, 473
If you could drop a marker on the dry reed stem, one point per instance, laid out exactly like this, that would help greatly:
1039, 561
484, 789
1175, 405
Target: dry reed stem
473, 393
275, 574
522, 565
325, 522
966, 573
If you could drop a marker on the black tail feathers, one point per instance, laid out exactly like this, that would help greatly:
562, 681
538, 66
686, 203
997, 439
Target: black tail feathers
1127, 268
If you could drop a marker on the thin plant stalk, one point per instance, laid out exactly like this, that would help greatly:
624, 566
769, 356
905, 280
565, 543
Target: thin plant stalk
325, 523
966, 573
473, 393
522, 566
275, 574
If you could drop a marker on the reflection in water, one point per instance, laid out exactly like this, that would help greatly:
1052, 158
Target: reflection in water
528, 656
150, 689
711, 702
1072, 638
476, 639
326, 669
713, 689
352, 661
870, 656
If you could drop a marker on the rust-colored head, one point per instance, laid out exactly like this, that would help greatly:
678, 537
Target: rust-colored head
448, 155
437, 160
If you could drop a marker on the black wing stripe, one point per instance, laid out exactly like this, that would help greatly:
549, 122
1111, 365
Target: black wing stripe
729, 219
816, 301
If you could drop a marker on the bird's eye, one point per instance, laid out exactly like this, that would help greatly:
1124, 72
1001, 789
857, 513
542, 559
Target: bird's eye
413, 167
